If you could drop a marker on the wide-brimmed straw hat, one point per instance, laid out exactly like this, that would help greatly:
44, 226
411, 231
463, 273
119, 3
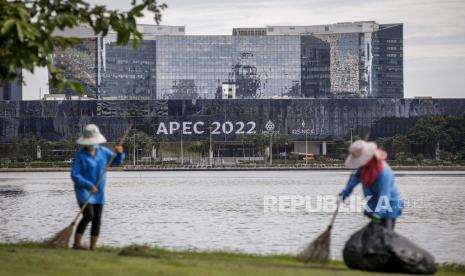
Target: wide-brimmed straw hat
91, 136
360, 152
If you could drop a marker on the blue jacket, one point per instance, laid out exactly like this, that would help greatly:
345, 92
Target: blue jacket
86, 169
383, 190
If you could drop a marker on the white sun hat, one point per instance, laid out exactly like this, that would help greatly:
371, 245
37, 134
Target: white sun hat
360, 152
91, 136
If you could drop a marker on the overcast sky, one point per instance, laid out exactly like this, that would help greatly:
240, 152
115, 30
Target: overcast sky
434, 31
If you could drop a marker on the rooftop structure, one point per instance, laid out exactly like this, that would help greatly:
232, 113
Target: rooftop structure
85, 31
338, 28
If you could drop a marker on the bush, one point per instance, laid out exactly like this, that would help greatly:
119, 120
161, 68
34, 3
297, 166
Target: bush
401, 157
410, 162
420, 158
445, 155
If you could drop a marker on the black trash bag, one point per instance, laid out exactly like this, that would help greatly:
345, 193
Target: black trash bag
377, 248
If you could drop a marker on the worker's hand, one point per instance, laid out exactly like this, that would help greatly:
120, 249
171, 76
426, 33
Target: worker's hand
119, 149
375, 218
93, 189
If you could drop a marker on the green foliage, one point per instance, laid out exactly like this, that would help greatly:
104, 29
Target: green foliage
400, 143
199, 147
260, 141
401, 157
445, 155
446, 131
395, 145
280, 140
24, 149
142, 142
420, 157
27, 37
340, 148
427, 132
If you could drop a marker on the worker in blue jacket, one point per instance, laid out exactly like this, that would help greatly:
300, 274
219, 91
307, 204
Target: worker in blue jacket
88, 164
384, 203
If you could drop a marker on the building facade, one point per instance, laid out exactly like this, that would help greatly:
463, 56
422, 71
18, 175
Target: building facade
12, 91
343, 60
192, 120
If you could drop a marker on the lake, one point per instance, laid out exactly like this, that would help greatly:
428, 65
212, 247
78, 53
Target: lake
218, 210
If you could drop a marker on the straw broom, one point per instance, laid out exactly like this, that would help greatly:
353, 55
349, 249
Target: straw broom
61, 239
318, 250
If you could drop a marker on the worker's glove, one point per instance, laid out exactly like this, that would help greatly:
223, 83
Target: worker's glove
375, 218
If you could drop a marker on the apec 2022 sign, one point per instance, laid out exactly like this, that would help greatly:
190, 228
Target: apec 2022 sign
199, 127
222, 128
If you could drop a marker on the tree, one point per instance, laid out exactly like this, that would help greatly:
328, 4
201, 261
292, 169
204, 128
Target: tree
27, 29
340, 148
428, 132
445, 155
260, 141
419, 158
25, 149
453, 139
199, 147
244, 140
158, 142
386, 144
401, 157
138, 143
281, 141
400, 143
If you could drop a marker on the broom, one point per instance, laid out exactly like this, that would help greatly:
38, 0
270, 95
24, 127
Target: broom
318, 250
61, 239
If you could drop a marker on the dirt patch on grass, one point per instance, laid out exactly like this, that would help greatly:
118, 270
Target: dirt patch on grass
138, 251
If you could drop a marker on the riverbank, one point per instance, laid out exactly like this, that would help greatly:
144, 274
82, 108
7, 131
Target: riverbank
256, 168
35, 259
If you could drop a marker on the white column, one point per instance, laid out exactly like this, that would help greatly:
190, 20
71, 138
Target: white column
323, 148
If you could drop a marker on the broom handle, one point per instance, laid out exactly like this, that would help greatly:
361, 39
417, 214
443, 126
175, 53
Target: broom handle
335, 213
339, 201
100, 177
367, 135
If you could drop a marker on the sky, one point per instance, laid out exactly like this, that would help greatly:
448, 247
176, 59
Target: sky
434, 31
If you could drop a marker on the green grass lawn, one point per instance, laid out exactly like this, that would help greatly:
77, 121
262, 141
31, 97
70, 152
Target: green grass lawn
35, 259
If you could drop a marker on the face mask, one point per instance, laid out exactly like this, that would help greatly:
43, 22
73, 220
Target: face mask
91, 147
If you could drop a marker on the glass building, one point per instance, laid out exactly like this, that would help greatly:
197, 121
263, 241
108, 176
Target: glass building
388, 62
128, 72
191, 67
13, 90
79, 64
343, 60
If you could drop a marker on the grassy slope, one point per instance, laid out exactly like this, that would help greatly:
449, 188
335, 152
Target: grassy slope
33, 259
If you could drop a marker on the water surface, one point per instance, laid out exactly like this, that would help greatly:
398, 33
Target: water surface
224, 210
